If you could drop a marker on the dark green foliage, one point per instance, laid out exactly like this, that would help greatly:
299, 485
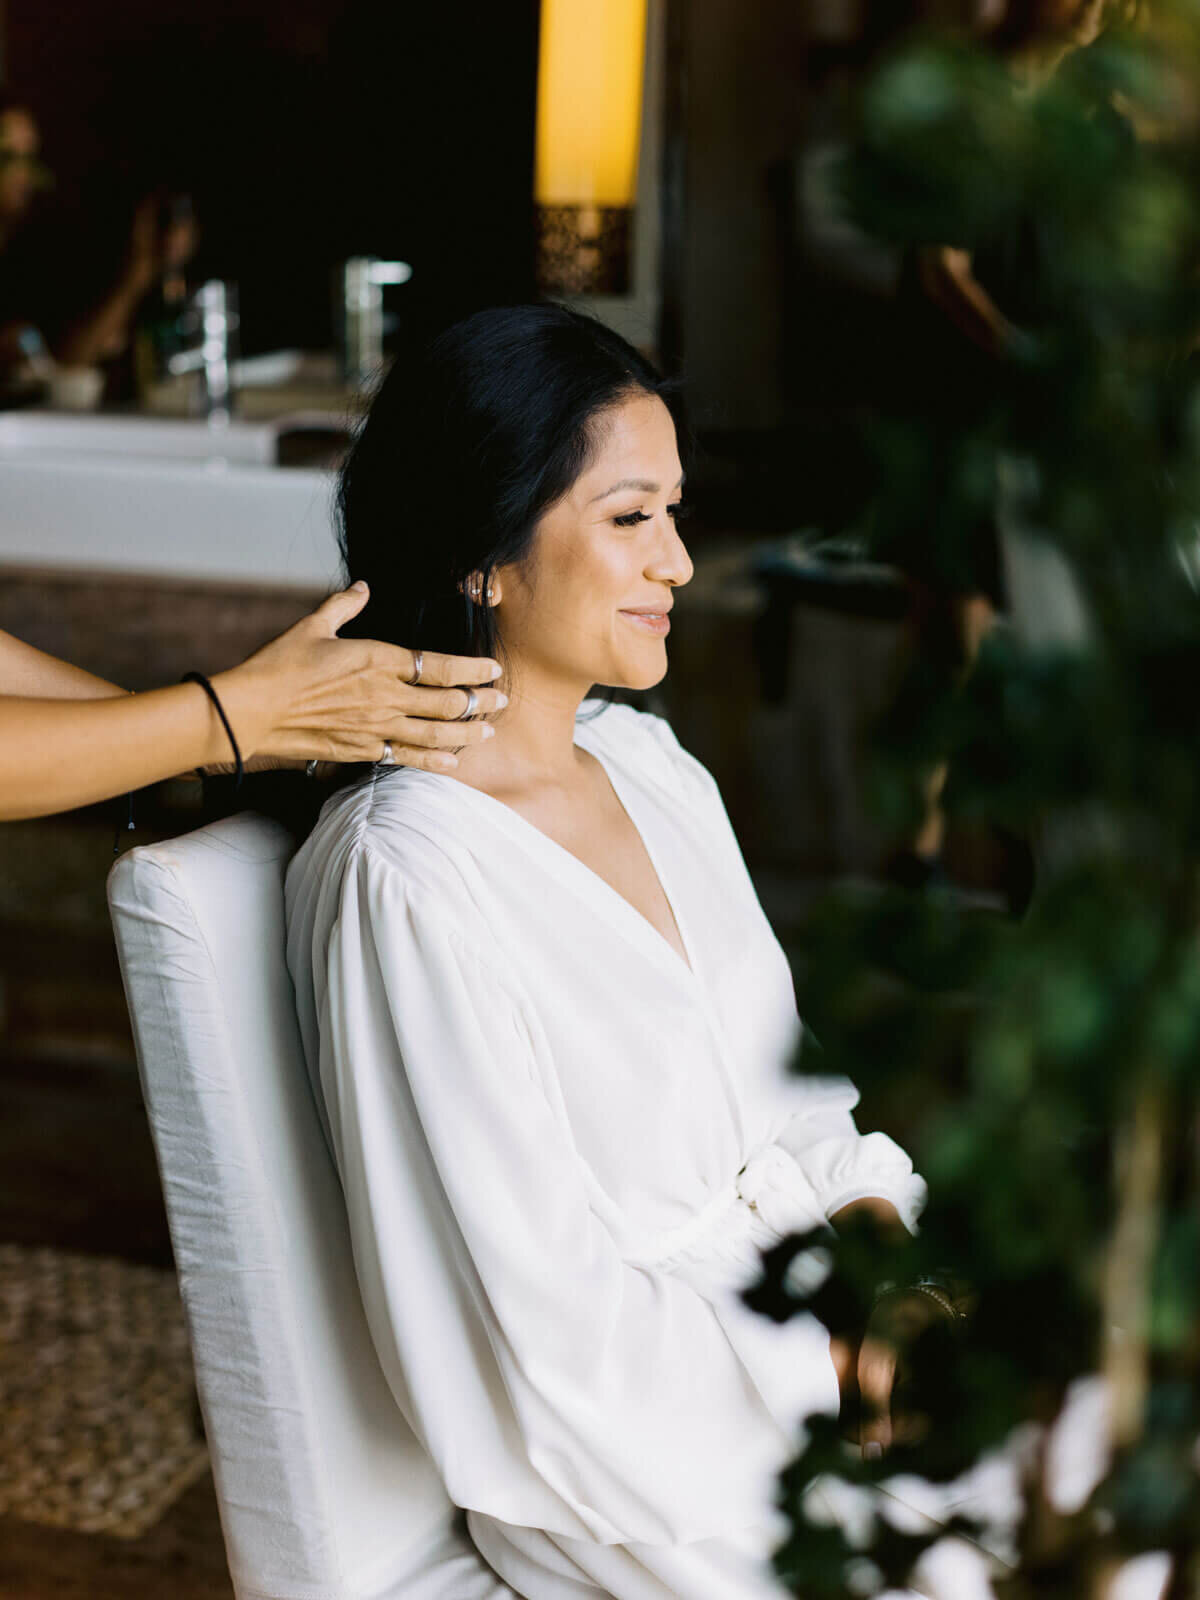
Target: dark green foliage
1043, 1069
1153, 1493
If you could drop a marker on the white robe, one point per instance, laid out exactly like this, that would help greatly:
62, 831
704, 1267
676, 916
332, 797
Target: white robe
562, 1150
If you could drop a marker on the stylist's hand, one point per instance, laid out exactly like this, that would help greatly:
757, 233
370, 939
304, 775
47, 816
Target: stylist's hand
309, 695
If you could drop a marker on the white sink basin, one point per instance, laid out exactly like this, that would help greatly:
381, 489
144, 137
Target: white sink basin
28, 433
163, 498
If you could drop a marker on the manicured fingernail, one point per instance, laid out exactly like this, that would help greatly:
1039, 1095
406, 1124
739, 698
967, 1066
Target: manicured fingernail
359, 587
873, 1450
497, 669
501, 699
488, 731
448, 763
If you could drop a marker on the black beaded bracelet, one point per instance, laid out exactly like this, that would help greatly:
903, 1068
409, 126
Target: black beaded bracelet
239, 768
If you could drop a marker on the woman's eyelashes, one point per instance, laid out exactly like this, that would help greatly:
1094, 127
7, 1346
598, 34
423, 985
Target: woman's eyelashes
630, 519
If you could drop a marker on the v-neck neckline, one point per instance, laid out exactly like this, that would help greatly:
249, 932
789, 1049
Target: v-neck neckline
626, 912
685, 960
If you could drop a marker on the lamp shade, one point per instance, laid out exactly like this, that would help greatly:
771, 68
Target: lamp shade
589, 111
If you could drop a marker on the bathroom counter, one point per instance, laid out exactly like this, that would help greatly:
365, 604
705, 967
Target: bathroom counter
164, 498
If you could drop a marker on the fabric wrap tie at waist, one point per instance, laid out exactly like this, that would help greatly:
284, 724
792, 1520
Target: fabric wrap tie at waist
769, 1197
774, 1184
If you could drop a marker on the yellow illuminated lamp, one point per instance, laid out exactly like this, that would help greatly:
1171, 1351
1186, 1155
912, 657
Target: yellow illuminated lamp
589, 112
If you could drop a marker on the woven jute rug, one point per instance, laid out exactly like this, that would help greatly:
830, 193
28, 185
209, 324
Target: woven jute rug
99, 1430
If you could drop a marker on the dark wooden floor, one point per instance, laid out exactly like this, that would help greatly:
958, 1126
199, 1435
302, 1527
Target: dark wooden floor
181, 1556
77, 1171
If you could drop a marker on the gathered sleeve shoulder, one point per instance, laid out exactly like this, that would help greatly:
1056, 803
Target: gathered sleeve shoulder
554, 1384
679, 766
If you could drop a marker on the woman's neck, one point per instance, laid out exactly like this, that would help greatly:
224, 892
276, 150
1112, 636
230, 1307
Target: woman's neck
534, 743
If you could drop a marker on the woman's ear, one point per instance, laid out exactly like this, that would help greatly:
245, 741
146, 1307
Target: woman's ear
473, 588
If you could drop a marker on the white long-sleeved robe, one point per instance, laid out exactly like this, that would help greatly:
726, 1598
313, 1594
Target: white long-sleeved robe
562, 1149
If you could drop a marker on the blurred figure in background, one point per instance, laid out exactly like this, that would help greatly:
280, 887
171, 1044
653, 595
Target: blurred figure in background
966, 314
40, 322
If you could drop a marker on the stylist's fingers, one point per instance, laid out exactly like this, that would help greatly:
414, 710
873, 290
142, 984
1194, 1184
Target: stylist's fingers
423, 735
876, 1378
424, 672
449, 705
423, 760
444, 672
338, 609
437, 671
351, 746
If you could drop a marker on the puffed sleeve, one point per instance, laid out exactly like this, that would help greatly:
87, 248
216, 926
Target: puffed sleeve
841, 1163
553, 1384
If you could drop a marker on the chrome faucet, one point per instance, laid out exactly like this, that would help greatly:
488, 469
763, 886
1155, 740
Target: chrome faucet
358, 314
213, 316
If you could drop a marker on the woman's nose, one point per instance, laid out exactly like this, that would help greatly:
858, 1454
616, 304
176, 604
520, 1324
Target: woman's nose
670, 562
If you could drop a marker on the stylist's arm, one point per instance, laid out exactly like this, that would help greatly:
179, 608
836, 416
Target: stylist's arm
68, 739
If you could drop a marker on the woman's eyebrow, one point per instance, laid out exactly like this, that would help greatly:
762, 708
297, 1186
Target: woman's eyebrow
644, 484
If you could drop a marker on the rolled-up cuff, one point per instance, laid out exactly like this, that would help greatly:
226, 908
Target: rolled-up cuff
908, 1199
861, 1167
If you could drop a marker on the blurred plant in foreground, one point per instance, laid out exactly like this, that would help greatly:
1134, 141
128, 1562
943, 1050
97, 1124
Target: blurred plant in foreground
1057, 1056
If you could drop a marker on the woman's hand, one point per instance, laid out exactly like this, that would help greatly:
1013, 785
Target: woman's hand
867, 1372
870, 1372
897, 1322
309, 695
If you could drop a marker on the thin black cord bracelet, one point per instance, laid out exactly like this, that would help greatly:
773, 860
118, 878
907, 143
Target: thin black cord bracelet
198, 677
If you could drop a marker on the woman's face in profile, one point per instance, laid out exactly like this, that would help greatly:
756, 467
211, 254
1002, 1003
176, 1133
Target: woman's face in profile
589, 604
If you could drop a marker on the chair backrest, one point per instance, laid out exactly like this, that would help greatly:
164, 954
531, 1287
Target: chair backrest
324, 1490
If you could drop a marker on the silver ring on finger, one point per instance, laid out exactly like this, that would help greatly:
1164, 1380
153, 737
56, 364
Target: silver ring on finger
388, 758
469, 709
418, 663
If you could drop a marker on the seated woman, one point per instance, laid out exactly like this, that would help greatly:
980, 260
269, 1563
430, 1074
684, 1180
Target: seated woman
547, 1021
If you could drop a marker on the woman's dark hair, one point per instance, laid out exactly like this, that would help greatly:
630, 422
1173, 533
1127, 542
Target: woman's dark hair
466, 444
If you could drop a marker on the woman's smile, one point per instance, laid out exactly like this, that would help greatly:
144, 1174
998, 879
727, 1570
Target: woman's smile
656, 622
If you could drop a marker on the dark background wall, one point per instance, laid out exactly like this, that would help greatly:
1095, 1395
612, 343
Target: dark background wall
745, 96
306, 133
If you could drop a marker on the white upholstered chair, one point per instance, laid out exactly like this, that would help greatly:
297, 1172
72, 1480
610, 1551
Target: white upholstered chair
324, 1492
